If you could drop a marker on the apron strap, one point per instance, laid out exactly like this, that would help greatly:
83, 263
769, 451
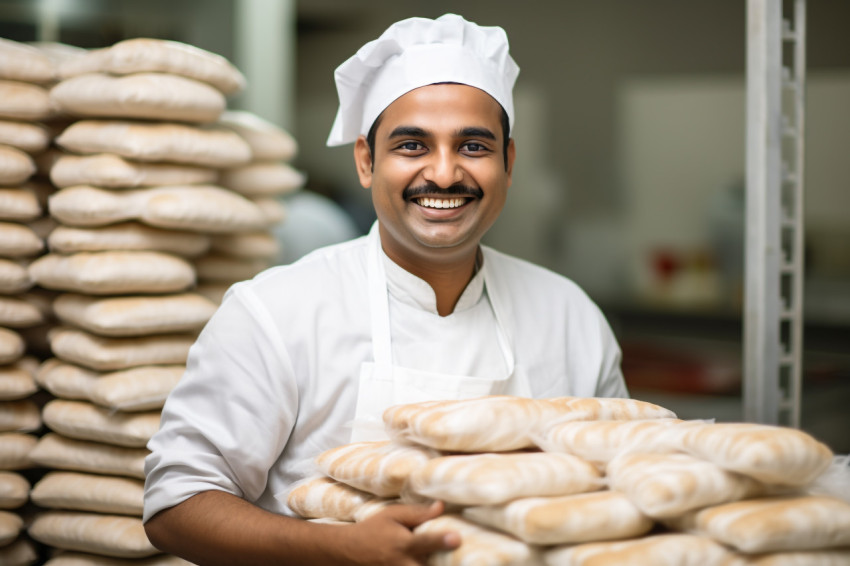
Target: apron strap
380, 314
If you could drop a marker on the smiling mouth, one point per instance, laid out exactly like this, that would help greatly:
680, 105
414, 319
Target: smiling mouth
453, 202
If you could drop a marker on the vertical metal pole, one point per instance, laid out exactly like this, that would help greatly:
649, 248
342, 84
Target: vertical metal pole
763, 246
773, 318
265, 52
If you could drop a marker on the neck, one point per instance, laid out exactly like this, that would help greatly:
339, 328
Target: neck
447, 274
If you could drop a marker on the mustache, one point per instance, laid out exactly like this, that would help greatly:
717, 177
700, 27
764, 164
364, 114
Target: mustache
431, 189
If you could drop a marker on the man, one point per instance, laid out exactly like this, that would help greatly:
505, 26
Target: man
306, 357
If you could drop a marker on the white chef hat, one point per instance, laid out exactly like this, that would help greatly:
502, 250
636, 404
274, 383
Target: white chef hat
416, 52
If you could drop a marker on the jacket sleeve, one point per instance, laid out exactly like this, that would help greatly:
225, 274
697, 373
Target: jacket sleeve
230, 416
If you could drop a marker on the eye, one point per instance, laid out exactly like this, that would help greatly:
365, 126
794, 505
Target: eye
474, 147
410, 146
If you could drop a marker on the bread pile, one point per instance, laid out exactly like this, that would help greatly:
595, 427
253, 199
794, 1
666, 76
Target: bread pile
25, 77
572, 481
139, 166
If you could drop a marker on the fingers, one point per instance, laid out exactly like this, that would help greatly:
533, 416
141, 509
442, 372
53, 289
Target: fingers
425, 544
414, 515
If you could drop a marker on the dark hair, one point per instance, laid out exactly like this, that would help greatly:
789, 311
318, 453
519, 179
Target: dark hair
506, 132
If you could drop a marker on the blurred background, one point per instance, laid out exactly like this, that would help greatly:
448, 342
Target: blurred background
630, 136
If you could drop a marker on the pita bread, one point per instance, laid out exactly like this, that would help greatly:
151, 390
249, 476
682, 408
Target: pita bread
141, 55
157, 142
24, 101
26, 136
112, 171
149, 96
127, 236
113, 272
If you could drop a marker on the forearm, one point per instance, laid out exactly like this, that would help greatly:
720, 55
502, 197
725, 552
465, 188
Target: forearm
215, 527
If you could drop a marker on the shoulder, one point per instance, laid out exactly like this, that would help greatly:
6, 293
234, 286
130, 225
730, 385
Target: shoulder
532, 281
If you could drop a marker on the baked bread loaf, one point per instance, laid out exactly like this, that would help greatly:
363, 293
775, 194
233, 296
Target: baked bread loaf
675, 549
84, 421
268, 141
204, 208
20, 203
88, 492
479, 547
497, 423
110, 535
488, 479
16, 450
102, 354
773, 524
61, 453
606, 409
838, 557
772, 454
113, 272
149, 96
15, 166
140, 315
22, 62
82, 559
24, 101
112, 171
166, 142
325, 498
30, 137
140, 55
601, 515
127, 236
667, 485
14, 490
381, 468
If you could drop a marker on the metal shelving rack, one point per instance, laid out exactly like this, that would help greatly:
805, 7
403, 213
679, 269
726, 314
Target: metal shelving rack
773, 317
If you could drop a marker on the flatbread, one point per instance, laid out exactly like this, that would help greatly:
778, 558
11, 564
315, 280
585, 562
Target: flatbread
268, 141
140, 55
22, 62
89, 492
157, 142
127, 236
85, 421
16, 166
135, 315
108, 170
24, 101
102, 354
202, 208
113, 272
150, 96
26, 136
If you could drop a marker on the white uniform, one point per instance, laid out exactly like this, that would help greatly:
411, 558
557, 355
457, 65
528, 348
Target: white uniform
299, 360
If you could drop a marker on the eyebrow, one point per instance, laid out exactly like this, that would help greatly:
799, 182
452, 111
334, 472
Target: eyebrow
416, 132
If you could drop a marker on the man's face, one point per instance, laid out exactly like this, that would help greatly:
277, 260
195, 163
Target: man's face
439, 179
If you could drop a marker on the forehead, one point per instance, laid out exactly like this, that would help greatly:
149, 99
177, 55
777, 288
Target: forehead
437, 106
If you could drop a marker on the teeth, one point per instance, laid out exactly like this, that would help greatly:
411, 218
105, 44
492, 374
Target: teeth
441, 202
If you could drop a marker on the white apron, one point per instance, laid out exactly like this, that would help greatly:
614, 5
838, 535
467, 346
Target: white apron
383, 384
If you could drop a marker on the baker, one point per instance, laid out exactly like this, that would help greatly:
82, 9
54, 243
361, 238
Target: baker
307, 356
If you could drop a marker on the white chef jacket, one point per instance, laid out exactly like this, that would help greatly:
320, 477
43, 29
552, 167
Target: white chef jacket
272, 380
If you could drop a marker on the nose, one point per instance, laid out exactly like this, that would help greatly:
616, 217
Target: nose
443, 169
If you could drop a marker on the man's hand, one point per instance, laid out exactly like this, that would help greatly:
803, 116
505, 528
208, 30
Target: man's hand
387, 538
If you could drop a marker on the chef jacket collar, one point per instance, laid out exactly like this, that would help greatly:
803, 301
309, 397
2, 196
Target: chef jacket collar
414, 291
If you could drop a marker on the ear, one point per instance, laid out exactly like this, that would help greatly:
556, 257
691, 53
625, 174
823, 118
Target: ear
363, 161
511, 158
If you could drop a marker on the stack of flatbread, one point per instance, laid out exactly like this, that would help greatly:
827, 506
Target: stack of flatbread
26, 74
572, 481
138, 201
265, 180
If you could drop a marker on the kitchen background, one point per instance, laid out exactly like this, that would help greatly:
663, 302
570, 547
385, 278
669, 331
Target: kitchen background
631, 159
